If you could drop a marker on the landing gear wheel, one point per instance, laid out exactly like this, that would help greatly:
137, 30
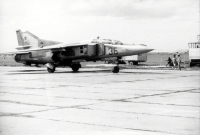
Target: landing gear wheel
115, 69
75, 67
51, 70
191, 64
135, 63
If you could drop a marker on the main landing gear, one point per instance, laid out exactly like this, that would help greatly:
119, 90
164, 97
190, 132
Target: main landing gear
75, 67
51, 70
51, 67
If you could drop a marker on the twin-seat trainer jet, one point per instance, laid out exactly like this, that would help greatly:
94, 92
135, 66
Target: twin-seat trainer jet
33, 50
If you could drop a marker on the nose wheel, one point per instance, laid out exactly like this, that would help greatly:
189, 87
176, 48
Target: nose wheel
51, 70
115, 69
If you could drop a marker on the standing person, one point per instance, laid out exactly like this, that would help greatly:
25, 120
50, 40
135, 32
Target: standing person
174, 61
179, 61
169, 61
177, 54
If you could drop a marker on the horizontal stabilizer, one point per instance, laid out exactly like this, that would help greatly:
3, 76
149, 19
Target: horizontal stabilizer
23, 47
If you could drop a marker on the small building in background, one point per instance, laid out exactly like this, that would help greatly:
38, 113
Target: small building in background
194, 52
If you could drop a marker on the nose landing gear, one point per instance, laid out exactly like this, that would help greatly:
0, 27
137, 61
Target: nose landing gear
115, 69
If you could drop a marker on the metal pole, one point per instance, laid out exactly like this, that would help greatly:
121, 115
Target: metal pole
184, 59
198, 37
161, 61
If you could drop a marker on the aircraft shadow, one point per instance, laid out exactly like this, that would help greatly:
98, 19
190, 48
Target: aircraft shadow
15, 72
144, 73
27, 70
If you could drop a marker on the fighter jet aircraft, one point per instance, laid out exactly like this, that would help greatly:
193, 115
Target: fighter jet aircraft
33, 50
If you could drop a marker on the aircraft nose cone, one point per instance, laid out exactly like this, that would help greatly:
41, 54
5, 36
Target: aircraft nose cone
144, 50
139, 49
149, 49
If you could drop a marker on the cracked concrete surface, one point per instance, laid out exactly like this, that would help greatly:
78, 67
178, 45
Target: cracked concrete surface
96, 101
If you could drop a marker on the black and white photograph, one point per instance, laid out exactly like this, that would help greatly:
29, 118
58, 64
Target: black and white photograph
99, 67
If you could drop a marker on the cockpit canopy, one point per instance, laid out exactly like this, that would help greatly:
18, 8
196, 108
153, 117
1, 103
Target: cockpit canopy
107, 41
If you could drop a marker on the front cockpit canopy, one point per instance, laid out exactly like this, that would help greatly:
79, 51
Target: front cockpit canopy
107, 41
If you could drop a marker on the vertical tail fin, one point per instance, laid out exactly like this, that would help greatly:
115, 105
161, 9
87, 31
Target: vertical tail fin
26, 38
19, 38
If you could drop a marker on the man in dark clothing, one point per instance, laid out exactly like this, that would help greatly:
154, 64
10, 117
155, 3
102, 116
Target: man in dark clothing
169, 61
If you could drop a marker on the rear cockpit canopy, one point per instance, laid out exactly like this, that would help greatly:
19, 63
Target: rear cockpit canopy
107, 41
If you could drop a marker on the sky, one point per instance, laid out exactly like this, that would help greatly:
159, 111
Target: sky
159, 24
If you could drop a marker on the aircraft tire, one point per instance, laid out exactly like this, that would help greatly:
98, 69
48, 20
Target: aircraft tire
135, 63
27, 64
51, 70
75, 68
191, 64
115, 69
